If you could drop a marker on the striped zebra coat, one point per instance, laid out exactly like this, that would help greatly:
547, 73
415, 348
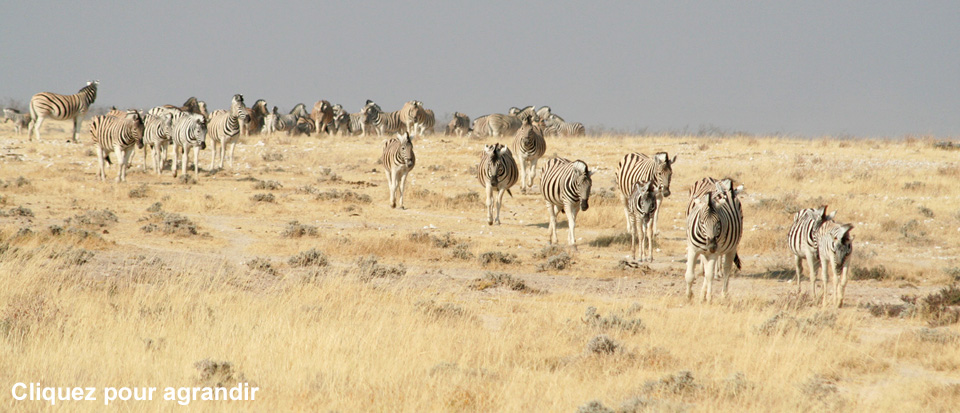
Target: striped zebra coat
157, 134
387, 122
497, 171
496, 125
429, 122
341, 121
189, 131
323, 117
803, 239
835, 246
271, 122
224, 129
62, 107
714, 228
120, 136
460, 125
637, 167
565, 186
412, 117
559, 128
642, 204
528, 147
398, 160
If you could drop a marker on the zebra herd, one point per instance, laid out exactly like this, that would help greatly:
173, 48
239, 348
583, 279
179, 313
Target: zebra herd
714, 223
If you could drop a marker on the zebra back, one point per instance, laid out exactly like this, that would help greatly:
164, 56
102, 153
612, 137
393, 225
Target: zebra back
429, 121
500, 124
563, 182
61, 107
803, 236
389, 122
638, 167
398, 152
497, 167
110, 132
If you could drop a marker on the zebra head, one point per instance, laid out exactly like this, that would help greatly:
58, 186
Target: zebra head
708, 221
90, 90
493, 152
405, 152
582, 182
136, 129
663, 172
198, 130
842, 243
166, 125
370, 112
238, 108
644, 198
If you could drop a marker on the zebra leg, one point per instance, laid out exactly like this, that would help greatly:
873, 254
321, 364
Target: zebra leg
812, 263
392, 183
403, 185
552, 211
798, 262
213, 154
183, 162
175, 166
101, 174
36, 127
76, 128
656, 216
196, 160
233, 145
223, 151
489, 191
144, 166
648, 237
523, 174
121, 157
635, 242
842, 286
727, 271
709, 268
691, 275
823, 281
572, 225
500, 203
158, 158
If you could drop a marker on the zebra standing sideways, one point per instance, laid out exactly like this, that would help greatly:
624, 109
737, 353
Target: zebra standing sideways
637, 167
189, 131
529, 147
497, 170
566, 187
642, 204
62, 107
397, 160
803, 239
157, 133
714, 228
836, 246
387, 122
224, 128
20, 120
119, 135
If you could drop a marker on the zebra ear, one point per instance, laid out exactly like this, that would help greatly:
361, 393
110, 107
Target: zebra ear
674, 159
831, 215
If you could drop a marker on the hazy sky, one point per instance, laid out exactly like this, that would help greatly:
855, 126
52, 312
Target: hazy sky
880, 68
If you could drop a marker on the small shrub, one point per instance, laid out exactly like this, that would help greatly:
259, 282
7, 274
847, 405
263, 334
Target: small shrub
441, 311
139, 192
169, 223
939, 308
21, 211
271, 156
217, 373
327, 175
267, 185
462, 252
604, 241
500, 279
261, 264
782, 324
594, 406
72, 256
267, 197
186, 179
95, 218
611, 321
602, 345
872, 273
926, 212
344, 196
308, 258
369, 268
497, 257
557, 262
915, 185
156, 207
680, 383
295, 229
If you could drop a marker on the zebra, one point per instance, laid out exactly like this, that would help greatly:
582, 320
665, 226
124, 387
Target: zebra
555, 125
323, 117
566, 187
718, 188
411, 116
20, 120
224, 128
523, 114
62, 107
255, 118
642, 204
387, 122
289, 121
480, 127
429, 122
499, 124
157, 133
544, 112
835, 246
714, 228
460, 124
529, 147
119, 135
192, 105
341, 121
117, 113
189, 131
803, 238
497, 171
397, 160
638, 167
304, 126
271, 122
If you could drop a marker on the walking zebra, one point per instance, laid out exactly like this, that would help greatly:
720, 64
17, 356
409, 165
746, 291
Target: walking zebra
637, 167
322, 117
496, 171
529, 147
803, 239
460, 124
714, 228
224, 128
157, 134
120, 135
642, 204
397, 160
836, 245
411, 116
566, 187
20, 120
189, 131
62, 107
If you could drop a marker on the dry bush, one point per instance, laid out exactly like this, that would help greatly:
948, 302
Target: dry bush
369, 268
94, 218
267, 185
169, 223
139, 192
271, 156
497, 257
308, 258
295, 229
940, 308
782, 324
500, 279
620, 239
267, 197
612, 322
262, 265
344, 196
218, 374
602, 345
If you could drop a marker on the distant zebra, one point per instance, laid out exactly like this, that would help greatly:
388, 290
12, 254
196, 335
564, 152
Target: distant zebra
271, 122
189, 131
411, 116
323, 117
62, 107
528, 147
496, 171
642, 204
192, 105
637, 167
523, 114
835, 246
544, 112
255, 118
498, 125
341, 121
714, 228
157, 134
803, 239
120, 135
429, 122
224, 128
460, 124
397, 159
388, 122
480, 127
555, 125
289, 121
363, 120
304, 126
20, 120
566, 187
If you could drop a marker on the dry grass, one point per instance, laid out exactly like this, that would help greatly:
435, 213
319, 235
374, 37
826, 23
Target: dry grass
289, 272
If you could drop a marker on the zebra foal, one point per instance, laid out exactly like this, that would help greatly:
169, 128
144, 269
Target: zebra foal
496, 171
565, 186
120, 135
642, 204
804, 238
638, 167
835, 246
397, 159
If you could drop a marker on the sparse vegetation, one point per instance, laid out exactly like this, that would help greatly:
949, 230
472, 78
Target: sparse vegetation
169, 223
295, 229
497, 257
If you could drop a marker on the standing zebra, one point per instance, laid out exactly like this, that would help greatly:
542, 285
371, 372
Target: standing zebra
363, 120
529, 147
642, 205
497, 170
555, 125
255, 118
836, 245
189, 131
157, 134
803, 239
429, 122
224, 128
637, 167
411, 116
119, 135
714, 228
271, 122
460, 124
397, 160
62, 107
387, 122
497, 125
322, 117
20, 120
341, 121
566, 187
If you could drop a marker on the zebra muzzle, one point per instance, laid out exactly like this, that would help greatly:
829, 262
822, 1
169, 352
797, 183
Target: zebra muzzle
203, 145
584, 205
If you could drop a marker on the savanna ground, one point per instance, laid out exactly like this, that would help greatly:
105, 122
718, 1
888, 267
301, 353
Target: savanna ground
288, 271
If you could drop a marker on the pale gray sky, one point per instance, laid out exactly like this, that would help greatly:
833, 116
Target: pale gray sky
879, 68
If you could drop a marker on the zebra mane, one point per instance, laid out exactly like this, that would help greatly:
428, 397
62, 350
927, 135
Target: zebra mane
581, 166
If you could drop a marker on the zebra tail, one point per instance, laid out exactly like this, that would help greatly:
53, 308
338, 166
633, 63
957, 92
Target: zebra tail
736, 261
511, 193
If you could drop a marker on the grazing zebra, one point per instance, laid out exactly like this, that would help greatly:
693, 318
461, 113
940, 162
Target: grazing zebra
397, 160
20, 120
566, 187
119, 135
224, 128
271, 122
460, 124
836, 245
62, 107
714, 228
341, 121
803, 239
429, 122
322, 117
637, 167
496, 171
189, 131
411, 116
529, 147
642, 204
157, 134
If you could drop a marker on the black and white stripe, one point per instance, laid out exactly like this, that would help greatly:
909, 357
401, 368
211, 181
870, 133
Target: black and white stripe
497, 125
642, 204
224, 129
62, 107
803, 239
157, 134
556, 126
528, 146
397, 159
835, 246
638, 167
189, 131
119, 135
387, 122
714, 228
496, 171
565, 186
